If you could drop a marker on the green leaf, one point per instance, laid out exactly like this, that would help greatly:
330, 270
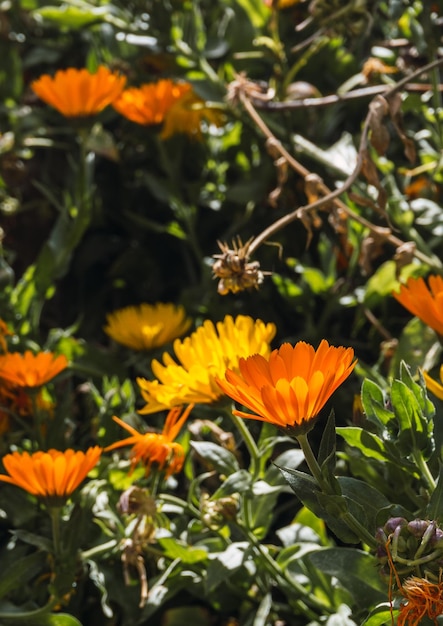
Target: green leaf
326, 453
370, 445
355, 570
195, 615
414, 429
435, 506
381, 284
369, 499
382, 615
72, 17
21, 571
374, 405
175, 549
224, 564
220, 459
239, 482
43, 619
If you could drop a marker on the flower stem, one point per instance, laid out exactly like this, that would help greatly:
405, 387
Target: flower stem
250, 444
424, 469
54, 512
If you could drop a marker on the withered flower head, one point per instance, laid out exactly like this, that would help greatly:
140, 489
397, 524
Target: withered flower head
233, 268
422, 598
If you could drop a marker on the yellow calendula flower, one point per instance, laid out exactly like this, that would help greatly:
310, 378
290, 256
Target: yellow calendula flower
291, 386
147, 326
203, 357
433, 385
186, 116
78, 92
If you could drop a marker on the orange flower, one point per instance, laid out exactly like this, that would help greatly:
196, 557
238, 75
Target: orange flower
52, 475
159, 448
423, 301
433, 385
290, 387
149, 103
422, 598
77, 92
4, 330
31, 370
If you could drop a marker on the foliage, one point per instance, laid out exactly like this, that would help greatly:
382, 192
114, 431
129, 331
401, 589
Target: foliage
285, 167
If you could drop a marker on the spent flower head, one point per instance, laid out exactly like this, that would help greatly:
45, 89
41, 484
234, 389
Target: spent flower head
202, 358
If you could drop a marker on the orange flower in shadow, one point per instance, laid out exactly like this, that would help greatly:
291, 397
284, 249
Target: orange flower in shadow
290, 387
158, 448
421, 599
16, 403
175, 105
77, 92
425, 302
51, 475
31, 370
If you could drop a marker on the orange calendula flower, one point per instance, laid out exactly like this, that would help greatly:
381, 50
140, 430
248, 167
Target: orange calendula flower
157, 448
203, 357
425, 302
175, 105
51, 475
147, 326
290, 387
422, 599
149, 103
31, 370
4, 330
77, 92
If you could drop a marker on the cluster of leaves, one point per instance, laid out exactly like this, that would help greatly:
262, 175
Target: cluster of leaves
225, 542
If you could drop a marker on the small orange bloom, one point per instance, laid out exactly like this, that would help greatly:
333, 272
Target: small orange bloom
51, 475
159, 448
422, 598
31, 370
423, 301
186, 116
149, 103
4, 330
290, 387
77, 92
433, 385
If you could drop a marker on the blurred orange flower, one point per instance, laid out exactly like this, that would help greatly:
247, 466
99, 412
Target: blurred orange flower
422, 599
31, 370
149, 103
4, 330
423, 301
433, 385
51, 475
15, 402
78, 92
173, 104
290, 387
158, 448
147, 326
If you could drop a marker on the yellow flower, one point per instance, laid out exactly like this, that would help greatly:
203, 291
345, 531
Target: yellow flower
433, 385
147, 326
423, 301
204, 356
149, 103
77, 92
186, 116
158, 448
31, 370
291, 386
52, 475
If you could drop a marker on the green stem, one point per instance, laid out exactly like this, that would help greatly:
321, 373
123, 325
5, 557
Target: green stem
424, 469
250, 444
54, 512
307, 600
347, 517
313, 465
98, 550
